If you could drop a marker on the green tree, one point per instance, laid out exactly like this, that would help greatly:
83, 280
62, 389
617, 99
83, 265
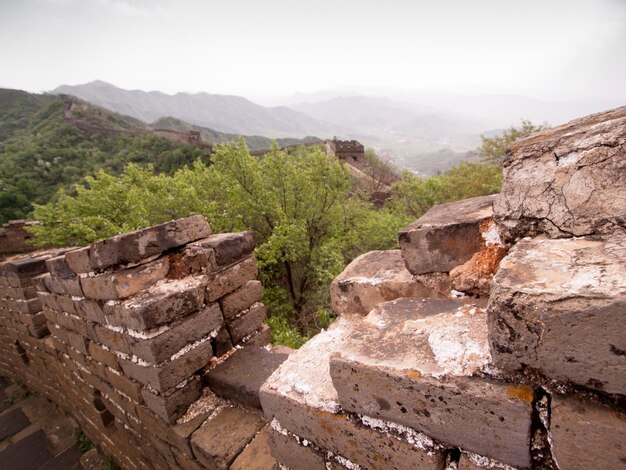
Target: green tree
414, 195
493, 149
299, 204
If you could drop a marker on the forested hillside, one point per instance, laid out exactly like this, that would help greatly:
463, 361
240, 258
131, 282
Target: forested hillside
41, 151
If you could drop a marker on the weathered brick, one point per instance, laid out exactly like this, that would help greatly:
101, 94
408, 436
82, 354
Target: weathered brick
193, 260
136, 246
66, 304
78, 260
232, 278
113, 339
78, 342
257, 455
242, 299
167, 375
247, 323
103, 356
219, 440
161, 347
291, 453
261, 338
586, 434
229, 247
124, 384
89, 310
446, 236
166, 301
124, 283
240, 377
171, 406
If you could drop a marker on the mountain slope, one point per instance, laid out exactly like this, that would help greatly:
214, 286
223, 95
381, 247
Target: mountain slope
224, 113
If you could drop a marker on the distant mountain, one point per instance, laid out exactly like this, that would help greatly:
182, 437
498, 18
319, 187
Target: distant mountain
417, 135
224, 113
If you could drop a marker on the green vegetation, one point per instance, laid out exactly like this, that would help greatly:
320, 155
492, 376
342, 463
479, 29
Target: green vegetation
493, 149
84, 443
41, 152
414, 195
308, 220
298, 202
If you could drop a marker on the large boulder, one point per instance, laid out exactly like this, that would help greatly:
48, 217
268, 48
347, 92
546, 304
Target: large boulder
566, 181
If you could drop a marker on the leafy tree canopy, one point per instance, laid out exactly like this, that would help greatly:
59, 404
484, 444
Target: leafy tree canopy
493, 149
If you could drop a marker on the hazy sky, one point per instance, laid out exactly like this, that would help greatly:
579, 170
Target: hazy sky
260, 48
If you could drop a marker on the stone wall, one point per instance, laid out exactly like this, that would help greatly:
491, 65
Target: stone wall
472, 347
14, 238
125, 334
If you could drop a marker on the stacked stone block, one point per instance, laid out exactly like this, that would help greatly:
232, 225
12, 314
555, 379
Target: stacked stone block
127, 330
532, 377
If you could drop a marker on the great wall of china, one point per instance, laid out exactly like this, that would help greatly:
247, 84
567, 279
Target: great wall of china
494, 337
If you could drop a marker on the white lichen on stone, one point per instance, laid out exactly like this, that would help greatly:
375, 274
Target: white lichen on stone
486, 462
416, 439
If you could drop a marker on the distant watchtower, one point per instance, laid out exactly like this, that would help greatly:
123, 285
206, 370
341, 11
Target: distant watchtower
350, 151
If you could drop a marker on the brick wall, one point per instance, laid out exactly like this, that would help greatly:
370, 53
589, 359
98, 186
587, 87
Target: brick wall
121, 333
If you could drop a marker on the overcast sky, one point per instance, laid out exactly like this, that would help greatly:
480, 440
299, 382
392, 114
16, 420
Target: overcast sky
260, 48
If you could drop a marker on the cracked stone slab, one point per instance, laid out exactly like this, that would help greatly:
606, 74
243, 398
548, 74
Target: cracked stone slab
300, 395
373, 278
420, 364
566, 181
557, 306
446, 236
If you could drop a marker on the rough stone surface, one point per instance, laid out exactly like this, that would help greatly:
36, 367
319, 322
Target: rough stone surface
557, 306
567, 180
123, 284
240, 377
172, 406
373, 278
292, 454
469, 461
168, 375
137, 246
446, 236
434, 388
231, 279
247, 323
301, 396
163, 345
242, 299
219, 440
162, 303
257, 455
229, 247
474, 277
586, 434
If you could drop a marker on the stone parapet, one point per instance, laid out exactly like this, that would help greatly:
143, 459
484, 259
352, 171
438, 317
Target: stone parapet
121, 334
